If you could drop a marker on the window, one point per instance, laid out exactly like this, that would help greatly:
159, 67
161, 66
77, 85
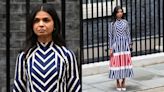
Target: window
95, 1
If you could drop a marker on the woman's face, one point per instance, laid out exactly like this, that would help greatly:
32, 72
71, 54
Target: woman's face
119, 14
43, 24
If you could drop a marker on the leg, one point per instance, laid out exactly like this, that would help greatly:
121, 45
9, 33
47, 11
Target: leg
123, 84
118, 85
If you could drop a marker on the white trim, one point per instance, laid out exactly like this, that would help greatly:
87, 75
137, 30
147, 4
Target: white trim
121, 53
122, 67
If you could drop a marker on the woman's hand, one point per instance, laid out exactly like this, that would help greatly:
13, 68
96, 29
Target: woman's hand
111, 51
130, 46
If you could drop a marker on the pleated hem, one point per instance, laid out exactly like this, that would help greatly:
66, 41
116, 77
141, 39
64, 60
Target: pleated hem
122, 73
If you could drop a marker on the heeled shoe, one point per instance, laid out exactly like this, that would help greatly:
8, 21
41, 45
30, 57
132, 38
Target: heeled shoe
123, 86
123, 89
118, 89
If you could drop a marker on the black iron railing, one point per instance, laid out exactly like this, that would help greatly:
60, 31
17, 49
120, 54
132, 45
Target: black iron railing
145, 21
8, 45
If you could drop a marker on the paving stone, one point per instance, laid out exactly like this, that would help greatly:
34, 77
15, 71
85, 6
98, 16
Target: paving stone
145, 78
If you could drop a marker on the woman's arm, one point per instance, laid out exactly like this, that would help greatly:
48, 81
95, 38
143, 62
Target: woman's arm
110, 34
128, 34
20, 75
73, 80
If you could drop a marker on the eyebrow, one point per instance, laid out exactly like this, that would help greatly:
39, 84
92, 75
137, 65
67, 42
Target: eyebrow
42, 18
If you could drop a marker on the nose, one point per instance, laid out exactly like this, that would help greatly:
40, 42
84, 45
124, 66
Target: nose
41, 23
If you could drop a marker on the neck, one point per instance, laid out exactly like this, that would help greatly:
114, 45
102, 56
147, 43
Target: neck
44, 39
119, 18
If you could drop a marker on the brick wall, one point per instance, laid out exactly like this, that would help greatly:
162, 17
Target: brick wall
73, 25
17, 26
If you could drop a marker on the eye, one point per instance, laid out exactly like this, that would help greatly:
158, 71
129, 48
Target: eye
46, 19
36, 20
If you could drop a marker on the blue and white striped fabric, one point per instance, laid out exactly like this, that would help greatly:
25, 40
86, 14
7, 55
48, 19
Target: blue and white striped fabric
119, 41
49, 68
119, 36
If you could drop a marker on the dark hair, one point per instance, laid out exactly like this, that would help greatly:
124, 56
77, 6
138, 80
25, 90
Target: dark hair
116, 11
31, 39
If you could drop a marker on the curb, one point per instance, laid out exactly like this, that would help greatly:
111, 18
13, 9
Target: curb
138, 61
156, 89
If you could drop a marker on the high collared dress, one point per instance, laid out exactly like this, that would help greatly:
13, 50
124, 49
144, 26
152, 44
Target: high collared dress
48, 68
119, 41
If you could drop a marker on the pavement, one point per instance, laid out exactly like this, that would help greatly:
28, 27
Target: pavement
148, 76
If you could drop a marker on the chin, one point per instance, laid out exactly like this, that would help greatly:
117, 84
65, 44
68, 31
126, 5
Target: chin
41, 35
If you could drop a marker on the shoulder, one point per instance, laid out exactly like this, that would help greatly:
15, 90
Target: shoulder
20, 57
64, 51
68, 52
112, 22
124, 20
60, 48
21, 54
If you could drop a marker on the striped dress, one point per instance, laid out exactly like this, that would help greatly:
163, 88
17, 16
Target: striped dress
119, 40
48, 68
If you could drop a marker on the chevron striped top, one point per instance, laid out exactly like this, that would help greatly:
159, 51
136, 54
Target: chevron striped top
119, 36
48, 68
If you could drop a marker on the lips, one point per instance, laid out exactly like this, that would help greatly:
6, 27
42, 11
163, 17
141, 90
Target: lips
42, 30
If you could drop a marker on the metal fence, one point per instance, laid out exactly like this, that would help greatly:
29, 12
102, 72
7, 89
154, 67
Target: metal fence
8, 15
145, 19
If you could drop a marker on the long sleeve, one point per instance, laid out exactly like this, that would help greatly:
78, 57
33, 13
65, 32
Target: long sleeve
128, 33
73, 80
110, 32
20, 78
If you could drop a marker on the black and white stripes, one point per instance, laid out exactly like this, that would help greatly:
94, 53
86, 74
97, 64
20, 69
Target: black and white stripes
50, 68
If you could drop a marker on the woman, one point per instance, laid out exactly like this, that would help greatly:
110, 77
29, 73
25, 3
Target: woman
46, 65
120, 44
